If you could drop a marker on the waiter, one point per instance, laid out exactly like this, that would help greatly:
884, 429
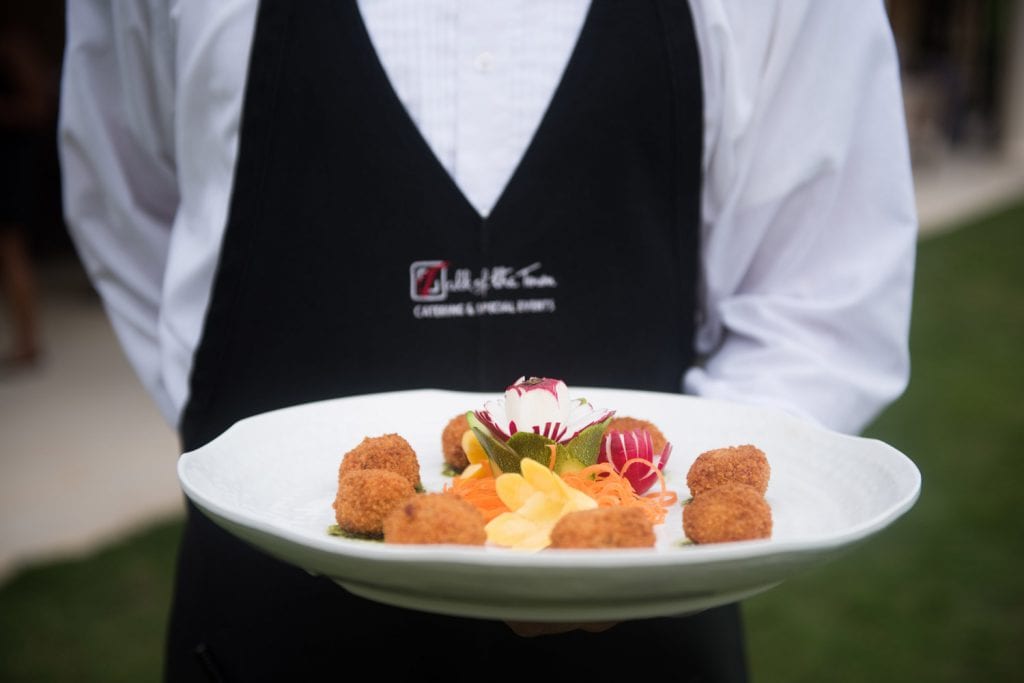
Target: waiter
282, 202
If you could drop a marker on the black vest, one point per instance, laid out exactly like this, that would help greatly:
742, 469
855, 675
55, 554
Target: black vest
353, 264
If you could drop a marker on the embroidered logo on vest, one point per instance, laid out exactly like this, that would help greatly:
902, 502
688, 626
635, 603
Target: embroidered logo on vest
466, 294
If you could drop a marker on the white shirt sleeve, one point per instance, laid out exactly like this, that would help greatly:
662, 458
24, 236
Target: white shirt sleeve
117, 155
809, 223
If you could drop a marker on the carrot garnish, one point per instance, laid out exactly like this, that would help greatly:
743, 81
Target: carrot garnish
609, 488
664, 497
481, 493
601, 482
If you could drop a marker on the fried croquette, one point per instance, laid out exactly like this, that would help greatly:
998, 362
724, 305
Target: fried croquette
365, 497
628, 424
610, 527
730, 512
451, 442
435, 518
735, 464
386, 452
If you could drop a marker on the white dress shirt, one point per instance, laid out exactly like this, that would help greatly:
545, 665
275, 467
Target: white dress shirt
808, 219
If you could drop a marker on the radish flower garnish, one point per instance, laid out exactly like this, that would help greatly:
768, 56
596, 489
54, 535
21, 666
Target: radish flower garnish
632, 455
534, 414
542, 406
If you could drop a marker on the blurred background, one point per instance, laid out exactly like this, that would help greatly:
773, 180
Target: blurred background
89, 501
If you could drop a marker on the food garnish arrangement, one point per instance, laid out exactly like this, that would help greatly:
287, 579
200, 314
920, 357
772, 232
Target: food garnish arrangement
539, 469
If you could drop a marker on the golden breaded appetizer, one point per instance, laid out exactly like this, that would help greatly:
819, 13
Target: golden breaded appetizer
608, 527
386, 452
628, 424
435, 518
451, 442
735, 464
365, 497
730, 512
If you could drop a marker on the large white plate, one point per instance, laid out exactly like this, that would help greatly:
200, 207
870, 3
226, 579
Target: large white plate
271, 479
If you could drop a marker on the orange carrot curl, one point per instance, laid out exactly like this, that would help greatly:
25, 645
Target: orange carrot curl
481, 493
664, 496
609, 488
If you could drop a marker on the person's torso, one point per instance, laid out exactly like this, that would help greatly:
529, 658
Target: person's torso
353, 263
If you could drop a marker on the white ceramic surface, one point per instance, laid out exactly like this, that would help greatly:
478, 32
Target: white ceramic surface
271, 480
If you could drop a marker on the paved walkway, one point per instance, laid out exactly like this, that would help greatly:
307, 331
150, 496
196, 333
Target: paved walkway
85, 457
950, 193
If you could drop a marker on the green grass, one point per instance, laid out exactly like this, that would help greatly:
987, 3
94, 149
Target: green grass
936, 597
101, 618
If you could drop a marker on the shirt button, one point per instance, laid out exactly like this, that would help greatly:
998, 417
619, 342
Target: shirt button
484, 62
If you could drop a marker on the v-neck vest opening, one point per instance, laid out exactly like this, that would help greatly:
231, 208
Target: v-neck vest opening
475, 81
